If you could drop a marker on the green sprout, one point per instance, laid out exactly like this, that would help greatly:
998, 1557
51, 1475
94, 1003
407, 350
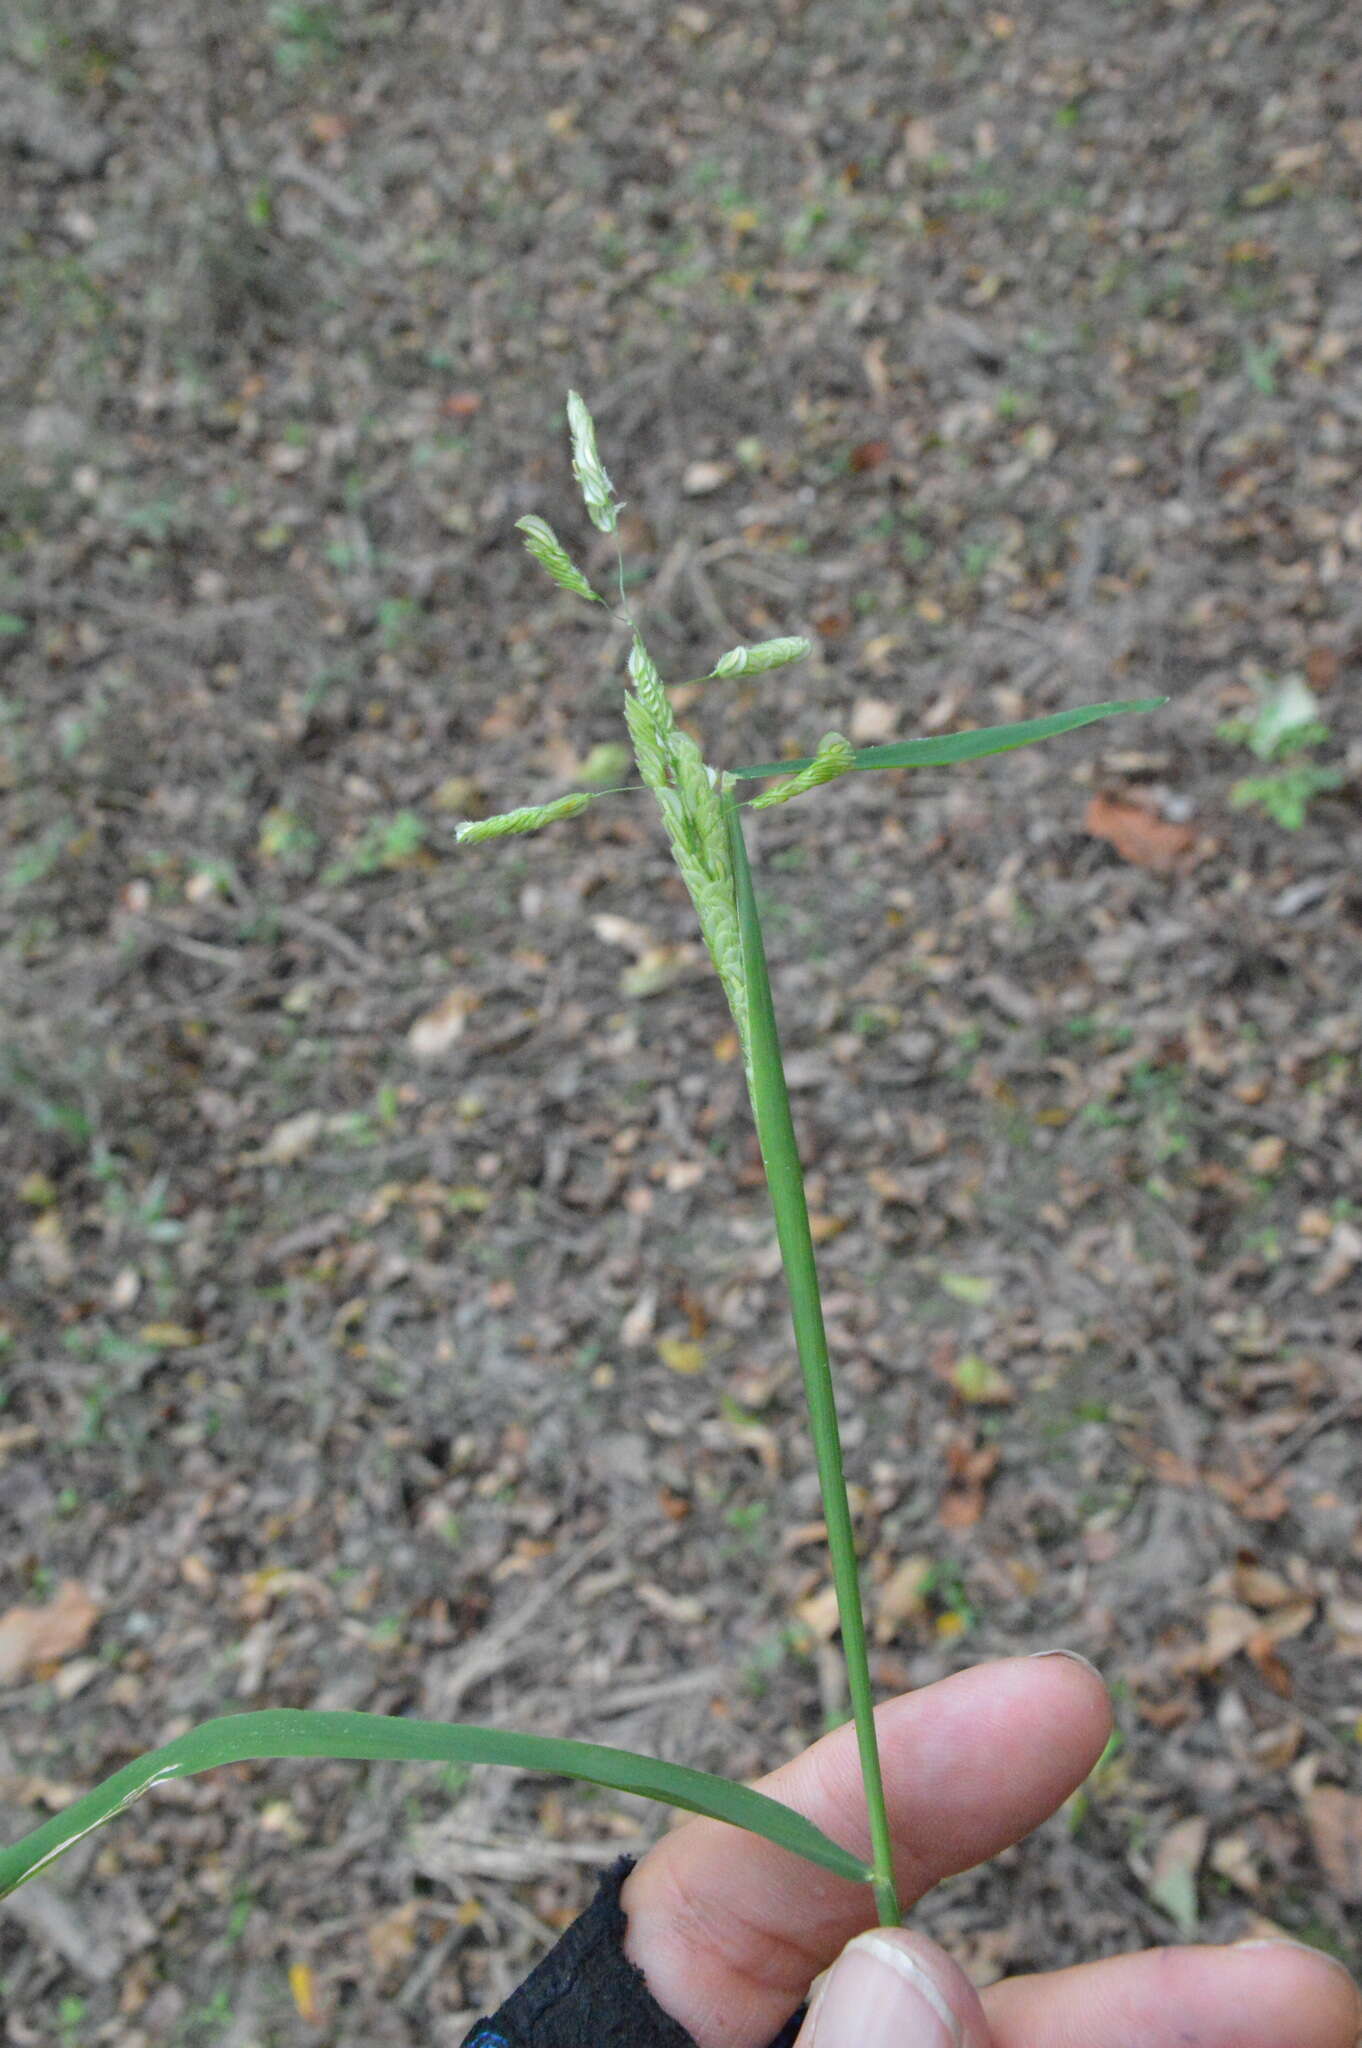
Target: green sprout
1283, 732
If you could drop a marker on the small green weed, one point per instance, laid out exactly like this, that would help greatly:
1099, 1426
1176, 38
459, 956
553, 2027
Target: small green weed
305, 36
384, 843
1283, 732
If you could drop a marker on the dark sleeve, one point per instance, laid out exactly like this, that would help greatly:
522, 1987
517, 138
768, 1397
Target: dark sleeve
587, 1994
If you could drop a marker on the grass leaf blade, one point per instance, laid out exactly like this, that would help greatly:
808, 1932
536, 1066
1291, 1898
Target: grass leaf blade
963, 746
382, 1738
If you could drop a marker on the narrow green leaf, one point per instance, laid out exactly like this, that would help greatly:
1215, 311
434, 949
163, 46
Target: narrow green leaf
962, 746
382, 1738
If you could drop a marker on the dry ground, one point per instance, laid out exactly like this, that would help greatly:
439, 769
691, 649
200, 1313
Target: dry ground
1014, 356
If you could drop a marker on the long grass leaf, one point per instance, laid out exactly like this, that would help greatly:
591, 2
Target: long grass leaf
962, 746
380, 1738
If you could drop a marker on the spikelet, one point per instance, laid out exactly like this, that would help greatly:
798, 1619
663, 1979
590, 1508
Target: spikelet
648, 683
649, 750
544, 544
716, 909
598, 493
835, 757
701, 804
528, 819
754, 661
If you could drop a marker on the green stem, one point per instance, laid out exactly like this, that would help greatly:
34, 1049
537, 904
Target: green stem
785, 1180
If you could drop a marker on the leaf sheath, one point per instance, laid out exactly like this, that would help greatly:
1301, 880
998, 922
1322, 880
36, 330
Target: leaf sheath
785, 1180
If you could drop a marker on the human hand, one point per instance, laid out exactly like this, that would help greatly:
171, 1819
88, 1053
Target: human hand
730, 1931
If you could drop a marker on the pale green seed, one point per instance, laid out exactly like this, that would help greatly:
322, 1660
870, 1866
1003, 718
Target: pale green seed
835, 756
528, 819
597, 490
649, 751
544, 544
648, 683
701, 802
767, 654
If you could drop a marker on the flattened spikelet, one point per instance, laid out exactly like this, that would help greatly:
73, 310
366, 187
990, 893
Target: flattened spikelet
754, 661
648, 683
528, 819
835, 757
544, 544
649, 751
598, 493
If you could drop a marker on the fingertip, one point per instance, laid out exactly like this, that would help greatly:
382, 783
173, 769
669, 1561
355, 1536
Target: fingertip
1304, 1972
891, 1988
1257, 1995
1074, 1657
1095, 1686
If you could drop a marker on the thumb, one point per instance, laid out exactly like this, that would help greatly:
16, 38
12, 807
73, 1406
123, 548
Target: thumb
893, 1989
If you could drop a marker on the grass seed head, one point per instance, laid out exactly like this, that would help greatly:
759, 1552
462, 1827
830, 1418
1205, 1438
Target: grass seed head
598, 492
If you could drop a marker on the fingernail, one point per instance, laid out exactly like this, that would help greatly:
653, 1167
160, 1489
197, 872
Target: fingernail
877, 1995
1305, 1948
1073, 1657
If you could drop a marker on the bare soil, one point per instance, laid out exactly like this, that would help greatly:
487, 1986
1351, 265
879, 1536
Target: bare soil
1014, 356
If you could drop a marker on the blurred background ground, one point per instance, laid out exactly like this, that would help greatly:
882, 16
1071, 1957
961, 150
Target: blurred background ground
392, 1317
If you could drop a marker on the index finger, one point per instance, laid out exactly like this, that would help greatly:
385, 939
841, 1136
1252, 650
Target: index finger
729, 1930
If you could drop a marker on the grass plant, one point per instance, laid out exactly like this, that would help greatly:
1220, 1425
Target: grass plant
701, 811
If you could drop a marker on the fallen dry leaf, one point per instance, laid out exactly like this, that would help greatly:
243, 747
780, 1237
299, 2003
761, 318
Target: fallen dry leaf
392, 1939
679, 1354
873, 719
961, 1507
1172, 1881
1261, 1587
1229, 1629
1334, 1818
615, 930
902, 1597
290, 1140
819, 1614
1137, 835
51, 1249
437, 1029
701, 478
303, 1986
1232, 1857
974, 1379
1345, 1249
31, 1637
168, 1336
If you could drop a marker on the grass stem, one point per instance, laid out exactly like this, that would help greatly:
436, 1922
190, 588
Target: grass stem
785, 1180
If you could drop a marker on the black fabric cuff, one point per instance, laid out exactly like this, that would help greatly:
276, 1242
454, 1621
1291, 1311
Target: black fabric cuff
587, 1994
